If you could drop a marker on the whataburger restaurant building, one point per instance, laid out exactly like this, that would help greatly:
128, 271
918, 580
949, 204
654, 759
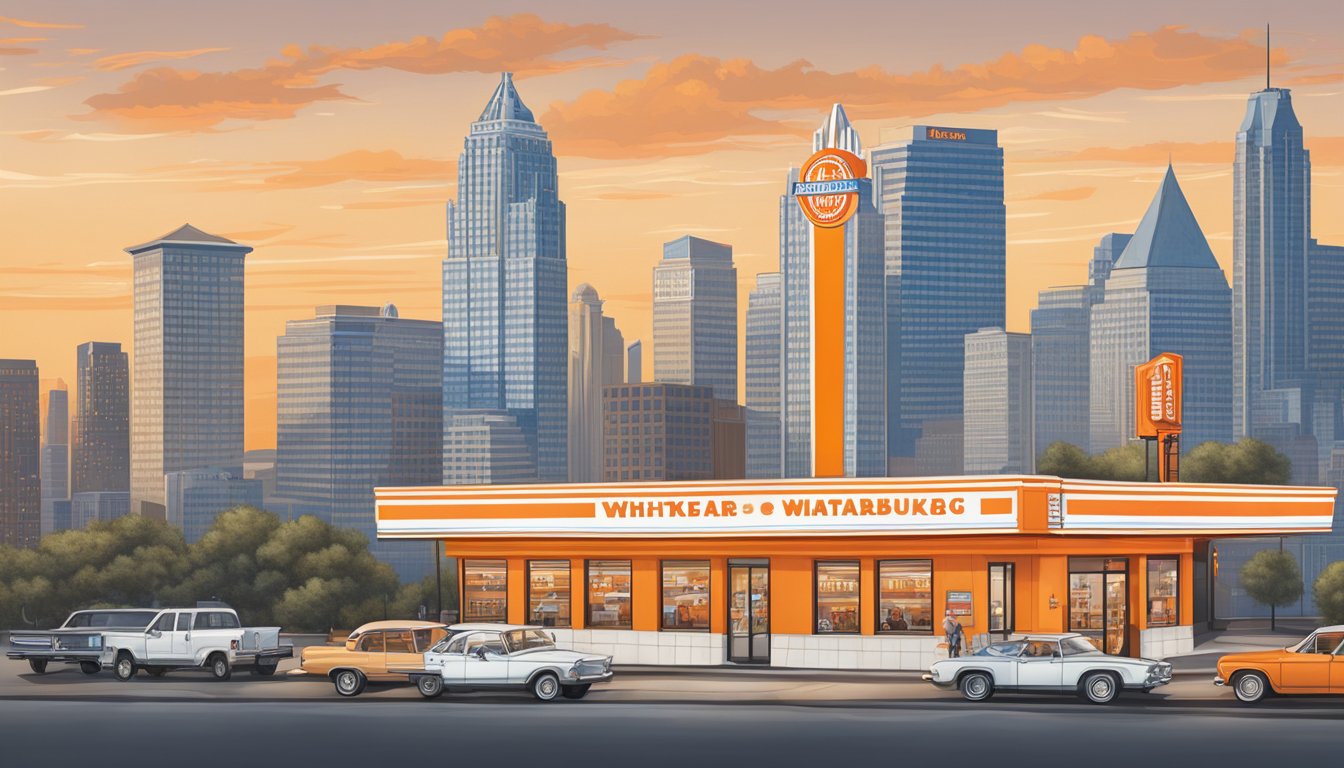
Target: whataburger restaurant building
839, 572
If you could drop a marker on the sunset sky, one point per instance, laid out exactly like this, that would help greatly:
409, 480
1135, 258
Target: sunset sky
326, 135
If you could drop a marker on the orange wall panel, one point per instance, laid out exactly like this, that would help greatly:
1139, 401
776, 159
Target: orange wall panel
645, 593
718, 594
791, 595
578, 589
517, 608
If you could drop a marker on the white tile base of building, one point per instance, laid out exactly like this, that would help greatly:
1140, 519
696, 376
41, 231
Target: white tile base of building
697, 649
1161, 642
910, 653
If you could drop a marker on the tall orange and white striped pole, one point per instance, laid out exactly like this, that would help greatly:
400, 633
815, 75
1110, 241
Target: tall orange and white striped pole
828, 193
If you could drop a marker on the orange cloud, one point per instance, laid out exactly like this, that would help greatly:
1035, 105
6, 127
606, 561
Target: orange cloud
119, 61
20, 303
16, 40
359, 165
83, 51
1064, 195
17, 51
171, 99
689, 105
37, 24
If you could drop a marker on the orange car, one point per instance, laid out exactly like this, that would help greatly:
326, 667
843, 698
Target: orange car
1315, 665
371, 651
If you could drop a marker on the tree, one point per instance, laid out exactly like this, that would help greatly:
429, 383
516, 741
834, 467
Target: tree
1329, 592
1123, 463
1068, 460
1064, 460
1249, 461
1272, 577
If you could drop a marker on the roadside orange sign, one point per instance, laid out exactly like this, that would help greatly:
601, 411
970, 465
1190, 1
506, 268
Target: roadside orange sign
1157, 396
828, 186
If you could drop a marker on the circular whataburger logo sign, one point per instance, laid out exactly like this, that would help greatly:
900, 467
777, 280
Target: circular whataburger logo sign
828, 187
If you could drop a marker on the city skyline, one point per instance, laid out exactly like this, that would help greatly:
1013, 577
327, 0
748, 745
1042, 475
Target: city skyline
1072, 150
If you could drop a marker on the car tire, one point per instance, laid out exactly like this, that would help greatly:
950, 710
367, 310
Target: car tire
156, 671
429, 686
546, 686
125, 667
90, 667
1250, 687
976, 686
349, 682
219, 667
1100, 687
575, 691
39, 666
264, 670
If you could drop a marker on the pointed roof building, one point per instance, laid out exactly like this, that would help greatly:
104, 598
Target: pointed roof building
836, 132
186, 235
1168, 235
506, 104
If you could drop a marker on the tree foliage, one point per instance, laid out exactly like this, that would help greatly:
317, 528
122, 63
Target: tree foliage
1068, 460
1272, 577
1249, 461
304, 575
1329, 593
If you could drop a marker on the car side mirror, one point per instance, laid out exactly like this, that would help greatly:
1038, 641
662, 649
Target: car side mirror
155, 633
480, 654
552, 634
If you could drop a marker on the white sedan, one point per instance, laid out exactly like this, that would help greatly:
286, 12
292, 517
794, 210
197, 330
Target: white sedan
476, 656
1048, 663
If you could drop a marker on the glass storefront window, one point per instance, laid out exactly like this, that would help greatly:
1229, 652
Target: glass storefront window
609, 594
1163, 591
685, 594
837, 590
548, 597
1098, 601
485, 590
905, 596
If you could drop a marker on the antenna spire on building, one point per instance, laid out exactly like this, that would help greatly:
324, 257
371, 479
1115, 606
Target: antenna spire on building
1266, 57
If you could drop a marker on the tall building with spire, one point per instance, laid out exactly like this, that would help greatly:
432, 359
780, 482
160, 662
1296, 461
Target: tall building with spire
504, 281
187, 361
1166, 293
865, 331
942, 196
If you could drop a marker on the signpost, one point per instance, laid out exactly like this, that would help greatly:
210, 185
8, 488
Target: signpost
828, 193
1157, 411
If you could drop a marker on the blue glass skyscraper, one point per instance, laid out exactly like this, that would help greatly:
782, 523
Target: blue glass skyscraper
865, 343
942, 196
765, 346
505, 329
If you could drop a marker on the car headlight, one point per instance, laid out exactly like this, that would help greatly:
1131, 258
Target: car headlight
573, 673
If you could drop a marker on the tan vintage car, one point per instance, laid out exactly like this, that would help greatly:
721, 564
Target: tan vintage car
371, 652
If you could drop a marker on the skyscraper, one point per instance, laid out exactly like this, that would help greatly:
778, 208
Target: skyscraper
942, 194
684, 433
20, 441
998, 418
55, 454
634, 355
596, 359
865, 331
187, 404
1060, 341
193, 498
101, 432
485, 448
1271, 226
504, 329
695, 316
765, 365
359, 406
1166, 293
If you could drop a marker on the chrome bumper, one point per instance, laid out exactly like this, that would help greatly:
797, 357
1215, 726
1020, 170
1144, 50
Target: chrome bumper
1219, 681
945, 685
589, 679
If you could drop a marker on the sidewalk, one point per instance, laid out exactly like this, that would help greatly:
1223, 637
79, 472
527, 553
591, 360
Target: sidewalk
1248, 636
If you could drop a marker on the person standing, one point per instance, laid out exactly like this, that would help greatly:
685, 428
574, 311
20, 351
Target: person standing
952, 633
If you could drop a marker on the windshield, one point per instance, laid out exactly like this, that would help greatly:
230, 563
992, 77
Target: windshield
1012, 648
527, 640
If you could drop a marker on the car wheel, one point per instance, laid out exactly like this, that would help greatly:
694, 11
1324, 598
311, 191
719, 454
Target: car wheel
429, 686
349, 682
1100, 687
576, 691
1250, 687
90, 667
976, 686
219, 667
156, 671
38, 665
125, 667
264, 670
546, 686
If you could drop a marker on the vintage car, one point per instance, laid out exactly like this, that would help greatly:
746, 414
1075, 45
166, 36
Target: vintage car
371, 651
78, 640
1315, 665
1047, 663
490, 656
209, 637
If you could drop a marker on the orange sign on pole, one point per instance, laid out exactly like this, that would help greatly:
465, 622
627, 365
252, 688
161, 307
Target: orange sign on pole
828, 193
1157, 407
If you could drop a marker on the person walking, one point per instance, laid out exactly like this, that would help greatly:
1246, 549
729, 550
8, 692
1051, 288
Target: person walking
952, 633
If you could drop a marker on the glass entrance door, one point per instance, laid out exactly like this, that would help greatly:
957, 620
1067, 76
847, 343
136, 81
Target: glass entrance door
1099, 602
749, 612
1002, 589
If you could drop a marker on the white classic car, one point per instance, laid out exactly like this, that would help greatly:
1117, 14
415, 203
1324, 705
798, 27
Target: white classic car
476, 656
1048, 663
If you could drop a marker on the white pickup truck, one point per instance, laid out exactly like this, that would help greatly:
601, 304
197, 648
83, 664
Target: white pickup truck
184, 638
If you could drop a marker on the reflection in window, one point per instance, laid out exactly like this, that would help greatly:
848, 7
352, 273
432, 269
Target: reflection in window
837, 597
399, 642
685, 594
905, 596
609, 594
372, 643
485, 590
1163, 590
548, 593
